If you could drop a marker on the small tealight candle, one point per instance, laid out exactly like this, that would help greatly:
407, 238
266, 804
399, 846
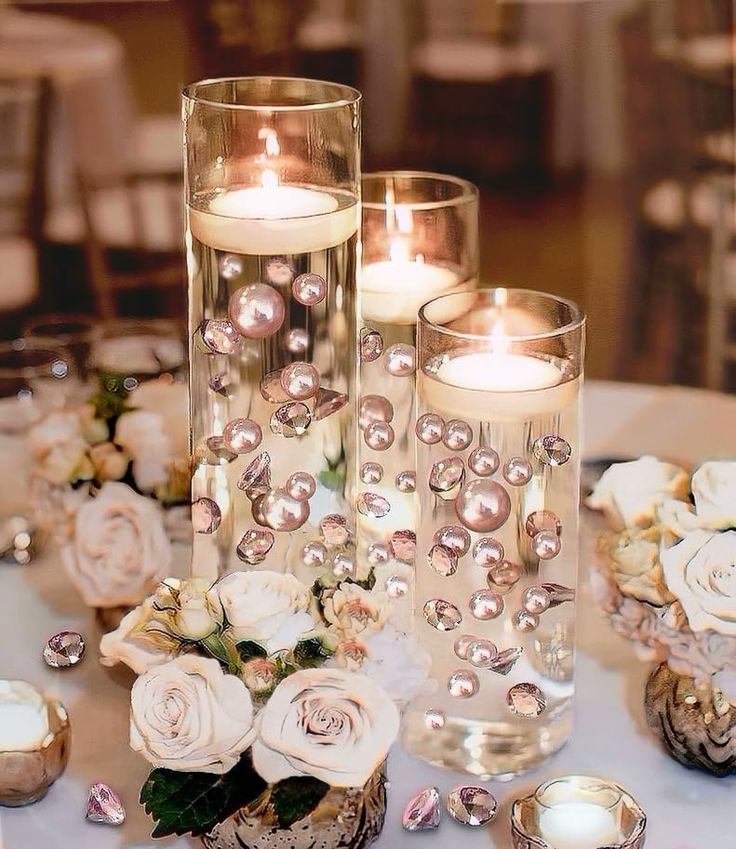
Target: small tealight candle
34, 743
499, 372
578, 825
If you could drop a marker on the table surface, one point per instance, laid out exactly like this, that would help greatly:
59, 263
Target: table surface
687, 809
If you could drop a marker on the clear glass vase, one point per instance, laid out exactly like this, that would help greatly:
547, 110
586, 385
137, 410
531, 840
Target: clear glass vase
273, 190
498, 385
419, 240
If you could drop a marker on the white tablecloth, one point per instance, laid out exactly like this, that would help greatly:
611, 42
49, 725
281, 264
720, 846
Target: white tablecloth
687, 809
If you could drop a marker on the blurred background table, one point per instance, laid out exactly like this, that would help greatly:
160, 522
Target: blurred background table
687, 809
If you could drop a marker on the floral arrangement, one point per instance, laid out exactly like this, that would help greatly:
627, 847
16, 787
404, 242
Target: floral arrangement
261, 693
102, 473
667, 571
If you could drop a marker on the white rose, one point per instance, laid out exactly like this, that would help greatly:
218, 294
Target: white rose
134, 644
629, 493
110, 464
171, 402
141, 435
701, 571
188, 715
334, 725
59, 449
714, 493
268, 607
353, 610
120, 549
196, 614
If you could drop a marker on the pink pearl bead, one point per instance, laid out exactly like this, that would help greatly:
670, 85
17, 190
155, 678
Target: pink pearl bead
256, 311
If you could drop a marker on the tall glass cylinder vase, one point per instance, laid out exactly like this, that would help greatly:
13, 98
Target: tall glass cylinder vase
497, 546
419, 240
272, 195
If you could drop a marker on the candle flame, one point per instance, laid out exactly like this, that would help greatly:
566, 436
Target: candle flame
269, 135
269, 179
399, 250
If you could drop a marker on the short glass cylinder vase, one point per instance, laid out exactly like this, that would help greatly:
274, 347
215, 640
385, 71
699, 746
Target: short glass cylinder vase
272, 193
498, 386
346, 817
419, 240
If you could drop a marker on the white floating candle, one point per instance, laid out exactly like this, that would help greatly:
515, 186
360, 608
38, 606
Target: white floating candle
492, 372
578, 825
273, 219
392, 291
24, 719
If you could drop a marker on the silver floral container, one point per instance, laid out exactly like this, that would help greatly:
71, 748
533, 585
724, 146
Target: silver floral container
27, 773
696, 725
533, 828
346, 818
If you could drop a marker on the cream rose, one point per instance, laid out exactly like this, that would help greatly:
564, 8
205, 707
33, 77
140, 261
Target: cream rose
171, 402
634, 561
142, 436
188, 715
120, 550
60, 450
187, 609
110, 464
353, 610
135, 644
268, 607
701, 571
334, 725
630, 493
714, 493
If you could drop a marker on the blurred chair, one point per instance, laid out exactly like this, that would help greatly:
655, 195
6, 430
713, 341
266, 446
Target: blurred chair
236, 37
330, 41
671, 199
482, 94
24, 110
721, 311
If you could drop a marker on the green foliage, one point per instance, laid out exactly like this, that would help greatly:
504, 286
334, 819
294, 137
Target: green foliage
333, 479
194, 802
111, 397
311, 652
295, 798
249, 649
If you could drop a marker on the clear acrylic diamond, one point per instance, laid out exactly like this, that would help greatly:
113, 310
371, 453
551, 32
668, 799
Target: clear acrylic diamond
256, 479
396, 586
334, 529
371, 345
504, 661
504, 576
470, 805
442, 615
552, 450
526, 700
434, 718
422, 811
254, 546
558, 594
216, 450
328, 402
403, 545
217, 336
291, 420
104, 805
443, 560
221, 384
373, 505
64, 649
206, 516
446, 477
271, 389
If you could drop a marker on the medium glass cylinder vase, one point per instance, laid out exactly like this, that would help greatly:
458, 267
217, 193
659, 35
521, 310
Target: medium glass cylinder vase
419, 240
272, 195
498, 467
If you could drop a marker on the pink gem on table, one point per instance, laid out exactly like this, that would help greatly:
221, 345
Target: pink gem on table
104, 805
422, 811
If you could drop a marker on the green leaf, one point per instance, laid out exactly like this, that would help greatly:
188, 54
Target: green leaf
311, 652
222, 650
367, 583
332, 479
110, 400
294, 798
194, 802
249, 649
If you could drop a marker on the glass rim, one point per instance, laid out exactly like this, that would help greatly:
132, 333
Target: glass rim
30, 370
468, 191
579, 782
576, 322
344, 95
